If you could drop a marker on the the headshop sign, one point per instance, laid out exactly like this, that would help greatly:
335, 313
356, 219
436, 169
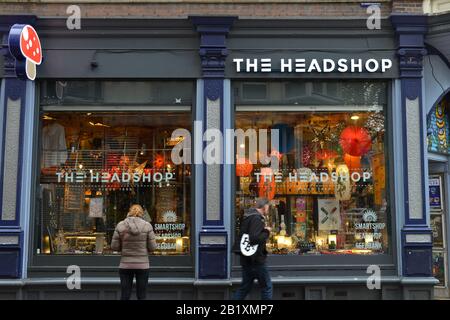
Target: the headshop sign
303, 65
25, 47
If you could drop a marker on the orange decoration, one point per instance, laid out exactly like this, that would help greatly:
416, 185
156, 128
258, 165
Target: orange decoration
353, 163
243, 167
326, 154
266, 184
158, 162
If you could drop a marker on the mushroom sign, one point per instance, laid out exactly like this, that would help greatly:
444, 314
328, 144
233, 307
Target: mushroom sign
25, 46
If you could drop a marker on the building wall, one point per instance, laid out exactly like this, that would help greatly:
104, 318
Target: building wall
183, 8
436, 6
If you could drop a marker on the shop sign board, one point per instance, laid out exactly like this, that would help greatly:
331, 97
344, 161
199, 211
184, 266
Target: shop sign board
25, 47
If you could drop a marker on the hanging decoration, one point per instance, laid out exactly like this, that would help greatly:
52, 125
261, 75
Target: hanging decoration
158, 161
321, 136
353, 163
266, 184
326, 154
243, 167
306, 156
375, 123
355, 141
342, 189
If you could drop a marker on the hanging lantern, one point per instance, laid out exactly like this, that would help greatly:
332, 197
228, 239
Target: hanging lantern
355, 141
158, 161
266, 184
325, 154
353, 163
243, 167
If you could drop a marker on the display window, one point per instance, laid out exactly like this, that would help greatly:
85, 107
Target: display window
95, 164
329, 193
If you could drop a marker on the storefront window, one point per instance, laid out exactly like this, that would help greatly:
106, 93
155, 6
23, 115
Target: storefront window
438, 125
329, 192
94, 165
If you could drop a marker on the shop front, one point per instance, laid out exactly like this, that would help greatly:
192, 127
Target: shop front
326, 124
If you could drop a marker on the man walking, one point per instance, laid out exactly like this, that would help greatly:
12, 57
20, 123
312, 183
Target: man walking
254, 262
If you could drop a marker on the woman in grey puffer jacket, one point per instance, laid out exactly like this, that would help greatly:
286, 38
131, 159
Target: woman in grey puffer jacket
135, 239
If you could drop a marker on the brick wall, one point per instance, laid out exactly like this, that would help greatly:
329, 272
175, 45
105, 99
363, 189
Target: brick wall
407, 6
326, 9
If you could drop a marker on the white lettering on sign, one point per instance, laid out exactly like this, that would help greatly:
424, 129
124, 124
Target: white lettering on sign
288, 65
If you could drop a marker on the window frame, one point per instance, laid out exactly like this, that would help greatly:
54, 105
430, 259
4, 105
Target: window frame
342, 263
101, 265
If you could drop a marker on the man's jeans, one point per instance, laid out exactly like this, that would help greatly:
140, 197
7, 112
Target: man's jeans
249, 273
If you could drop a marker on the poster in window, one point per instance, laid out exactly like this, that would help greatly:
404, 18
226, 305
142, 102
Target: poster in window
73, 198
329, 214
436, 225
96, 208
435, 193
439, 267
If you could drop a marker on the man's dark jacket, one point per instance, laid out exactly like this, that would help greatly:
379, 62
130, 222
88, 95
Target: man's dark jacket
253, 224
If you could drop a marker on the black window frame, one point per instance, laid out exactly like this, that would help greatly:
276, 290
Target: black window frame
52, 266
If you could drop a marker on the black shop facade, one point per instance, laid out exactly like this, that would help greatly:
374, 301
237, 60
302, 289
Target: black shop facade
94, 133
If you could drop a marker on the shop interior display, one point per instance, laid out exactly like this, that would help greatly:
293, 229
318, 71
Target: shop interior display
329, 195
95, 165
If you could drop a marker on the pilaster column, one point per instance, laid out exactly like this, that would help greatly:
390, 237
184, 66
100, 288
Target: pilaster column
12, 113
416, 234
213, 212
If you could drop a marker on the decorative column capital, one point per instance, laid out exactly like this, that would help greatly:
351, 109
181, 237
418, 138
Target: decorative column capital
410, 31
213, 51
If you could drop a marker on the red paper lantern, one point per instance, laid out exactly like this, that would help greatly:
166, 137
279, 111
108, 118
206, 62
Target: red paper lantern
353, 163
355, 141
266, 184
243, 167
326, 154
158, 161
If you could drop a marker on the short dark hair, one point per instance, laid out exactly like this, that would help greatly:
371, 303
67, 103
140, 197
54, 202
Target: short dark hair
261, 202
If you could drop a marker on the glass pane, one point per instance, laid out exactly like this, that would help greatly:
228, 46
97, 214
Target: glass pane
437, 225
439, 267
94, 166
329, 193
78, 93
306, 93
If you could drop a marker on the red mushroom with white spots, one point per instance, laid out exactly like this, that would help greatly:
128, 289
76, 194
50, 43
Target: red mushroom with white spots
30, 46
